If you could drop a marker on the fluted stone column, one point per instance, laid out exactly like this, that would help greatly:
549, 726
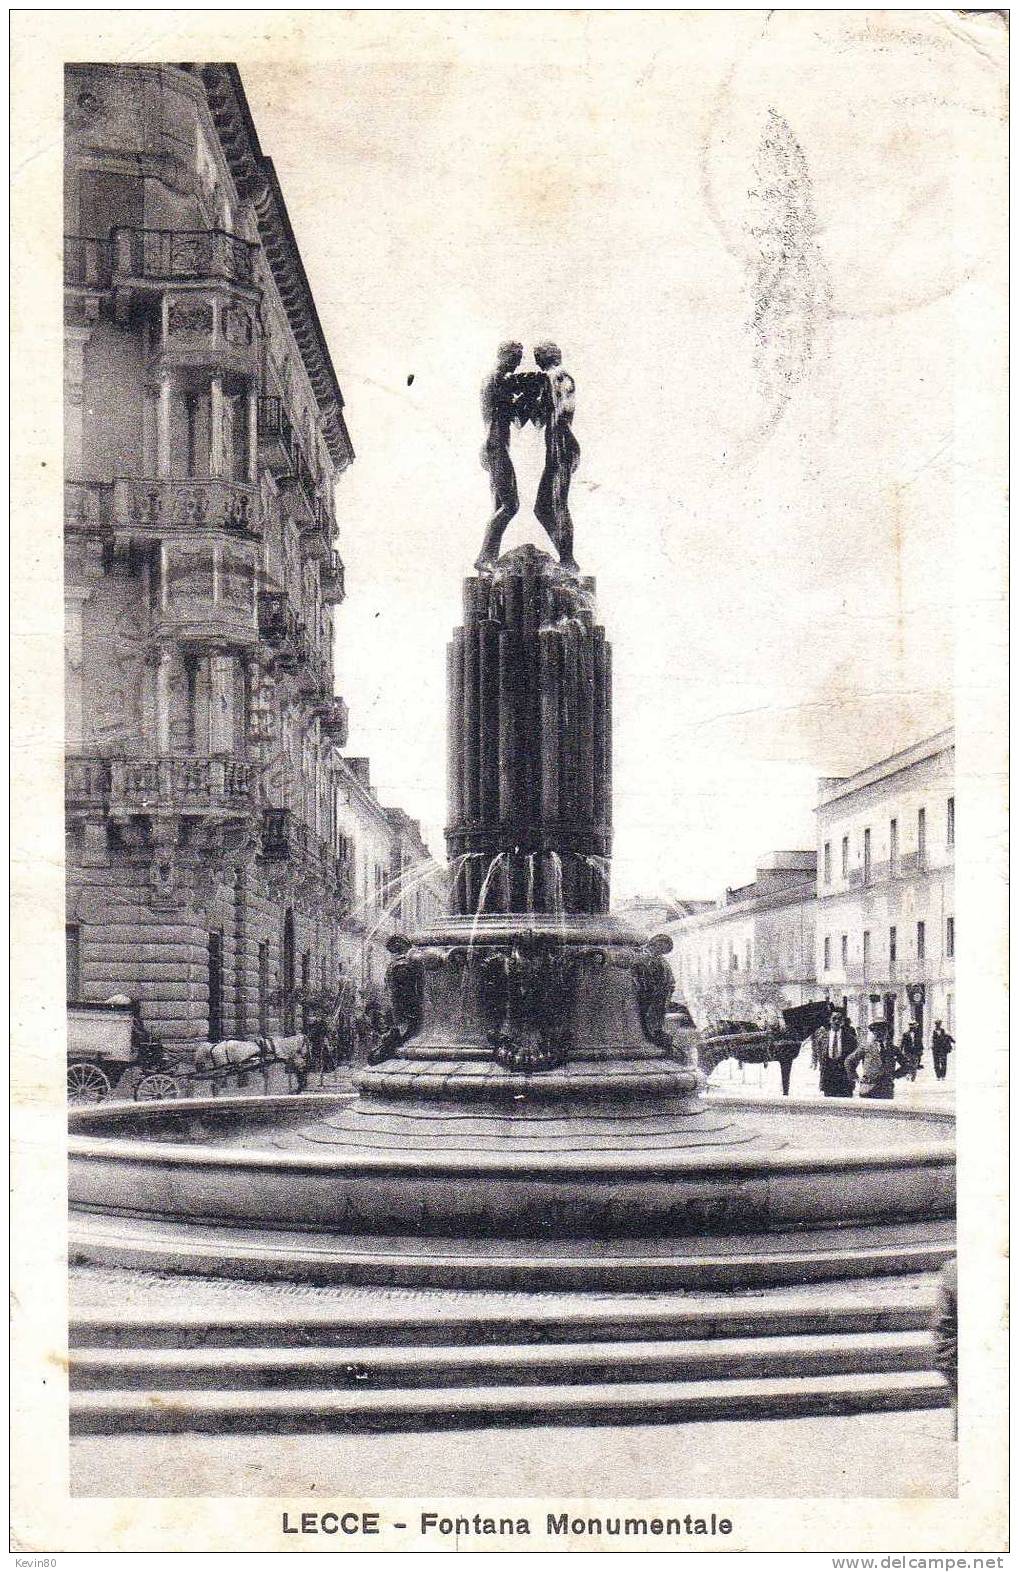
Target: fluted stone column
529, 758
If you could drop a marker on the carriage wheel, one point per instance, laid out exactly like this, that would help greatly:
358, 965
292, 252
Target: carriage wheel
157, 1086
86, 1083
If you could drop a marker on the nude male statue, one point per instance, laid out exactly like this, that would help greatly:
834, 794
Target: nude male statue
501, 407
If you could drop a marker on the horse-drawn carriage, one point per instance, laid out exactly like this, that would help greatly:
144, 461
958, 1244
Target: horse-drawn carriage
108, 1050
104, 1043
749, 1043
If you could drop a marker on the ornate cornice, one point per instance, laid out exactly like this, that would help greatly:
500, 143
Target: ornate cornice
256, 181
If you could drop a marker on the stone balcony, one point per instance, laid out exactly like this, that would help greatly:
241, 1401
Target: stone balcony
87, 505
152, 509
276, 444
86, 783
333, 579
208, 594
186, 785
287, 838
142, 258
302, 490
213, 330
334, 720
87, 263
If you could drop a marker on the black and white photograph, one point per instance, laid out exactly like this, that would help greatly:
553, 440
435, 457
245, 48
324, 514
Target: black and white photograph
509, 781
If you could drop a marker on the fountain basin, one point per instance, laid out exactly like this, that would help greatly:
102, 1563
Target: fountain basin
321, 1164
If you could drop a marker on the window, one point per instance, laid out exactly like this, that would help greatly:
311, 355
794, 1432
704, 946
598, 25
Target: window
827, 862
845, 951
263, 988
827, 952
866, 948
892, 943
866, 856
893, 846
215, 987
845, 856
950, 823
921, 835
921, 941
950, 937
72, 942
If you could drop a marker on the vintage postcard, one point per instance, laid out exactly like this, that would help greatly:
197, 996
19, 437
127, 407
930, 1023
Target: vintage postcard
509, 782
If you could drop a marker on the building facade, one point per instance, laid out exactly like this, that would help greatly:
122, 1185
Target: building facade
215, 869
886, 888
752, 952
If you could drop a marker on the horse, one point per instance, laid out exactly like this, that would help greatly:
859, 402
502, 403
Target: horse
749, 1043
237, 1056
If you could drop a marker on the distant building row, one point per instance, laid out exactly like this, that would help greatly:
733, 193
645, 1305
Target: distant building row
867, 920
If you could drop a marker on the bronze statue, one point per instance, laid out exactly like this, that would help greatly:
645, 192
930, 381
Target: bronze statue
501, 401
562, 452
545, 398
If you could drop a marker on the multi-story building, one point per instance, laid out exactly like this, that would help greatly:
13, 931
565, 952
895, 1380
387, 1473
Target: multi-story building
210, 870
886, 888
394, 881
753, 951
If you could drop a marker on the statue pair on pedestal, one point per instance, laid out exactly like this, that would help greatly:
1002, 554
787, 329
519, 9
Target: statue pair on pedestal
545, 397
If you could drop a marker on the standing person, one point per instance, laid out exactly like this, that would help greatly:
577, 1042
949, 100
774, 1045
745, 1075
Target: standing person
839, 1043
941, 1046
945, 1332
911, 1048
876, 1063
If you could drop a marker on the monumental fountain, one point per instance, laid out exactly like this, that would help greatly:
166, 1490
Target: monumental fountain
528, 1121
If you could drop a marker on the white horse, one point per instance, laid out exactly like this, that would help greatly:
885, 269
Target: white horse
238, 1056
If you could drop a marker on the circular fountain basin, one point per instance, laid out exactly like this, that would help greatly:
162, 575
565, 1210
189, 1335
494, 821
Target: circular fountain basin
709, 1165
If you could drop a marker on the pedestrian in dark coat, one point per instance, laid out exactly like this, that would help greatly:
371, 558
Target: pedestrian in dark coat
941, 1046
945, 1332
911, 1049
839, 1043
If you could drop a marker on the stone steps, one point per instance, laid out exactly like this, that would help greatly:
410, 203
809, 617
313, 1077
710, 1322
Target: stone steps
435, 1364
566, 1320
705, 1263
387, 1369
656, 1402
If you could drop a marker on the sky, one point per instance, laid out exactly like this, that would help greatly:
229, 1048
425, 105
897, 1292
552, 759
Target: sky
761, 244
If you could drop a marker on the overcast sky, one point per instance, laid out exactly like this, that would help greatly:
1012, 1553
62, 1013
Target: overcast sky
769, 491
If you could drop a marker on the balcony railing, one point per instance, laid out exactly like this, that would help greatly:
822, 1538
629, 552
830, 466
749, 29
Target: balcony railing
86, 263
275, 436
285, 837
334, 719
177, 254
86, 504
154, 507
333, 579
182, 783
86, 781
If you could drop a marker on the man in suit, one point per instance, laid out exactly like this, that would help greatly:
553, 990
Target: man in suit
911, 1048
840, 1042
941, 1046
